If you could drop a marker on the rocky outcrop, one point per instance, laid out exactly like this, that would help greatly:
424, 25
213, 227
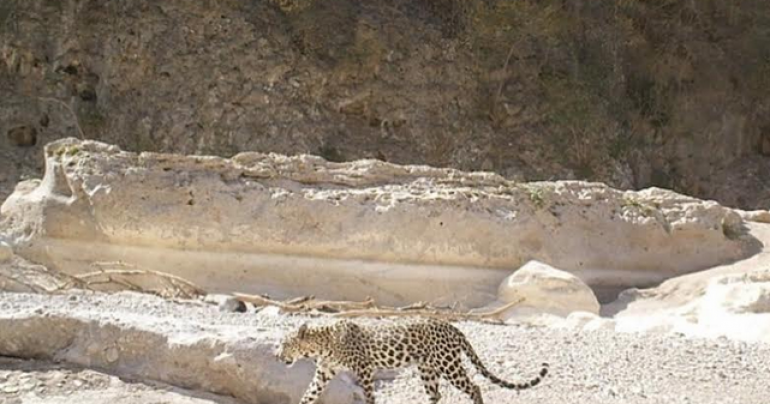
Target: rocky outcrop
747, 293
731, 300
28, 382
759, 216
546, 289
20, 275
471, 84
736, 306
143, 337
303, 225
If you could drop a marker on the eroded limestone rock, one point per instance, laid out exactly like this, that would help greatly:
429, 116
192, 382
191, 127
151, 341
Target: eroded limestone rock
301, 225
759, 216
143, 337
747, 293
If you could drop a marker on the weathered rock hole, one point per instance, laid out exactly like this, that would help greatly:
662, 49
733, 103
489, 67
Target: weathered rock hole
88, 95
72, 70
22, 136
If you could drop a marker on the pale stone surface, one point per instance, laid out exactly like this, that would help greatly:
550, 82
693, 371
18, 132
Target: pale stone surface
736, 306
731, 300
226, 303
144, 337
194, 346
741, 293
546, 290
301, 225
585, 321
5, 251
44, 382
760, 216
20, 275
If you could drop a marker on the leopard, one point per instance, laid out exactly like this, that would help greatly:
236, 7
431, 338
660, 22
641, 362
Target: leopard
434, 345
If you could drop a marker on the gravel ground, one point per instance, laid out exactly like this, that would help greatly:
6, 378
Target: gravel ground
586, 367
607, 367
23, 381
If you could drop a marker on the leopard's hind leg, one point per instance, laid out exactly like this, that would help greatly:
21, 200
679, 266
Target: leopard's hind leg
452, 369
365, 377
430, 378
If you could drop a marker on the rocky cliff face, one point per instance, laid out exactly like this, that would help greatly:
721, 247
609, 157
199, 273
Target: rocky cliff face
632, 93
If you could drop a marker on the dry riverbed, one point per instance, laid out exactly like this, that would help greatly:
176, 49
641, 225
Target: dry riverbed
599, 366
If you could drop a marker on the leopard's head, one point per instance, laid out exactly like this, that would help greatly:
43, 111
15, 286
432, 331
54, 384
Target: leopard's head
296, 345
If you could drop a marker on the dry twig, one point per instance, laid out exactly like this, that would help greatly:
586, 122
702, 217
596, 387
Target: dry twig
367, 308
171, 286
126, 277
305, 303
492, 316
264, 301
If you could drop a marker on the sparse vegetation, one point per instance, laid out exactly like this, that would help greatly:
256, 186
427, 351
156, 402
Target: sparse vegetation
144, 142
330, 153
536, 195
633, 93
92, 118
646, 209
440, 147
612, 77
69, 109
66, 151
324, 30
72, 151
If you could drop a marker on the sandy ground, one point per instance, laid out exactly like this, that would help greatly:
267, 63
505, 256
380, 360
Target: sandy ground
587, 366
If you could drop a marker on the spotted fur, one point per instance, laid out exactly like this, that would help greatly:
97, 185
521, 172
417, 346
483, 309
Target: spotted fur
436, 348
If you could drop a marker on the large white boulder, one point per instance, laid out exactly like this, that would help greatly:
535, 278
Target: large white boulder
546, 289
298, 225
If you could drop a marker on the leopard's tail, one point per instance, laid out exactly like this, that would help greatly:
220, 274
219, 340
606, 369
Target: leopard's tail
471, 354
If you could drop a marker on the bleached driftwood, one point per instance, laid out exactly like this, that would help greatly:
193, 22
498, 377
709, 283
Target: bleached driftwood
367, 308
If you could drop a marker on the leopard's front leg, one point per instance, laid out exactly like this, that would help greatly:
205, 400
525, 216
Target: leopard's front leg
322, 377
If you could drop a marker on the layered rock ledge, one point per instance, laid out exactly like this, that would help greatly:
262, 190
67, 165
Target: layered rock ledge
146, 338
303, 225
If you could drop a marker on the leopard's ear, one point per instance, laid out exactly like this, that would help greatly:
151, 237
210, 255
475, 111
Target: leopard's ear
302, 331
